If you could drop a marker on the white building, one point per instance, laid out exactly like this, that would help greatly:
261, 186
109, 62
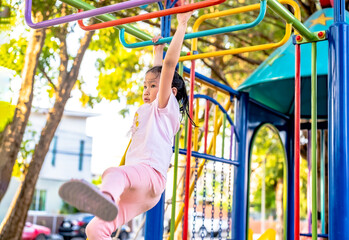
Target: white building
69, 157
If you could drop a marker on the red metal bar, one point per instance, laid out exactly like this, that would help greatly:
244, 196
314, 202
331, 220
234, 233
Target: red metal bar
187, 175
147, 16
207, 114
297, 110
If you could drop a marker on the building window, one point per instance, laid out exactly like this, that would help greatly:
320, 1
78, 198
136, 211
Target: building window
39, 200
81, 154
54, 151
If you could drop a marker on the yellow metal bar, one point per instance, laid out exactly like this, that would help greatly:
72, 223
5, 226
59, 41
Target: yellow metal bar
196, 129
241, 50
123, 159
253, 7
201, 167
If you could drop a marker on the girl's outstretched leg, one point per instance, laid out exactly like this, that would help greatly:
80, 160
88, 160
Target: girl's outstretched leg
88, 198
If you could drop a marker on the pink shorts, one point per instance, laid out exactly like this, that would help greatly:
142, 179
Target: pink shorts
135, 189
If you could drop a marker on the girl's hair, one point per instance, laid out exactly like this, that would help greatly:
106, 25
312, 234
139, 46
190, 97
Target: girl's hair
181, 96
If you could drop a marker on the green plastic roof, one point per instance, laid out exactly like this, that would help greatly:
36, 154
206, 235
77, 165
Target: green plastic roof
272, 83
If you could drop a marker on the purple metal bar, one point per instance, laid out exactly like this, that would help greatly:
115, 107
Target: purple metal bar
82, 15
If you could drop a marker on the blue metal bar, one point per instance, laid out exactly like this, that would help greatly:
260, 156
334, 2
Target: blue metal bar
173, 3
222, 109
154, 224
263, 7
154, 227
290, 181
338, 130
322, 181
209, 157
339, 11
161, 7
310, 235
213, 82
240, 188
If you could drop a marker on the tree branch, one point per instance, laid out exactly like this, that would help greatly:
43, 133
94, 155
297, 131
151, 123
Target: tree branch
47, 77
63, 52
305, 7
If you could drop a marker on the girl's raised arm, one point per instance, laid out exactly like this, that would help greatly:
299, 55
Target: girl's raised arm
171, 59
158, 51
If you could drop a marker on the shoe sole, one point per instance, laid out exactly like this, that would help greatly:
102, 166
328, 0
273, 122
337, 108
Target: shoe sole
86, 197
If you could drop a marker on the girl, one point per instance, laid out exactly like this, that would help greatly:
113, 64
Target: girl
130, 190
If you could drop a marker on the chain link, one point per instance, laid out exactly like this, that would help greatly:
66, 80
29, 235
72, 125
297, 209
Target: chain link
213, 196
204, 201
195, 198
229, 203
221, 204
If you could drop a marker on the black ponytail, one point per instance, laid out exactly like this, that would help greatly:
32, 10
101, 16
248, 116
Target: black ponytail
181, 96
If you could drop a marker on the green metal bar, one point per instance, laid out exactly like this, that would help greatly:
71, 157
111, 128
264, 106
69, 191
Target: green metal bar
180, 68
107, 17
223, 135
322, 183
175, 173
174, 191
313, 139
290, 18
186, 130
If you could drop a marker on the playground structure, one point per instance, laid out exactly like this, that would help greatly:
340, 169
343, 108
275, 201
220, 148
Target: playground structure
242, 114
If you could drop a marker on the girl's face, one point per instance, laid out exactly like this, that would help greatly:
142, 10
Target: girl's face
151, 87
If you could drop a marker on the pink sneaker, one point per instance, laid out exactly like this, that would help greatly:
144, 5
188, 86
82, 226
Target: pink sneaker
88, 198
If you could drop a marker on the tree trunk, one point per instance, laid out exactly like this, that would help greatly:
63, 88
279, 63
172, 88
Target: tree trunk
13, 134
12, 227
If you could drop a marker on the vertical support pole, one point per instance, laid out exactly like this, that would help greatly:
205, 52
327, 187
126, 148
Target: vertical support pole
187, 175
154, 224
309, 181
175, 173
291, 176
322, 183
263, 196
240, 198
313, 140
338, 130
297, 116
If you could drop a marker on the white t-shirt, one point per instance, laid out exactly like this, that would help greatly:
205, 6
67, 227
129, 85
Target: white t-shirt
153, 131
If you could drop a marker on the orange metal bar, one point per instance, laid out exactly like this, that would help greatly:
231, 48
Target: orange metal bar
147, 16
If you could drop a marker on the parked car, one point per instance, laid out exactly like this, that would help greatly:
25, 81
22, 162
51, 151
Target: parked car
74, 227
35, 232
